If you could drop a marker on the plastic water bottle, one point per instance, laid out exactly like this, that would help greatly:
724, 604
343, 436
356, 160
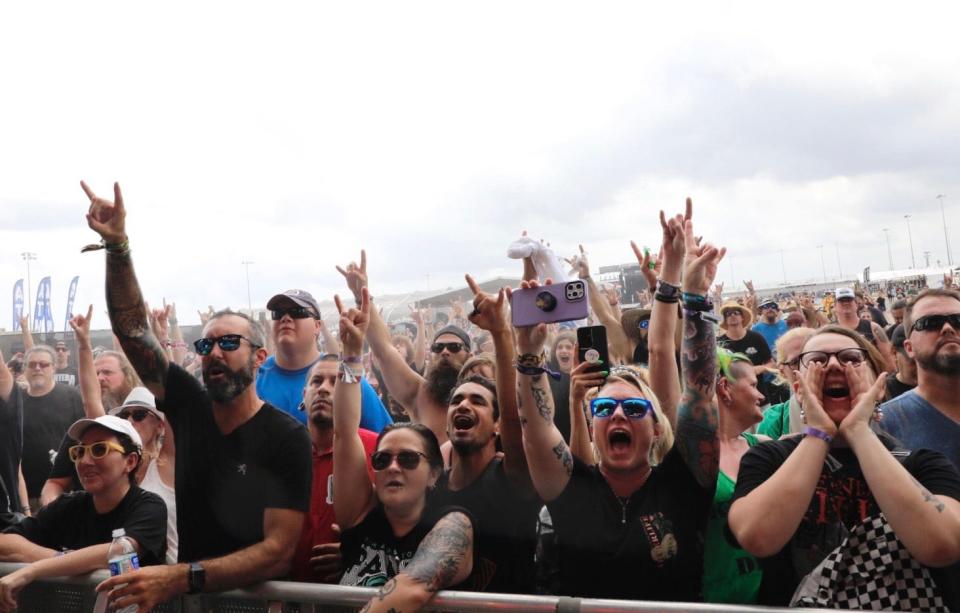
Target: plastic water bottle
122, 558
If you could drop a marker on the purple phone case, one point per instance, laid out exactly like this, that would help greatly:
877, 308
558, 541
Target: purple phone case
570, 299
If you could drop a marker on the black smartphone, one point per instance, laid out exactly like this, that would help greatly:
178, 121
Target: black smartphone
592, 347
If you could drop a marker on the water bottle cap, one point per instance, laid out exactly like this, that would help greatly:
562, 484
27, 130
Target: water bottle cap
118, 533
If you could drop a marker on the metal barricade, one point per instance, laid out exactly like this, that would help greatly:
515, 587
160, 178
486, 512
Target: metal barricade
76, 595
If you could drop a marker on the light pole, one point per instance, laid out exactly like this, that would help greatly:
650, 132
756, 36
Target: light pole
913, 260
886, 231
926, 255
783, 268
29, 257
246, 265
823, 263
946, 238
839, 266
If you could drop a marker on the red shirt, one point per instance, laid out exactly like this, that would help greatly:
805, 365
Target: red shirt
317, 524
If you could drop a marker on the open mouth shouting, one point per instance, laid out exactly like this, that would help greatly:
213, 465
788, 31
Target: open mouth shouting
463, 421
619, 440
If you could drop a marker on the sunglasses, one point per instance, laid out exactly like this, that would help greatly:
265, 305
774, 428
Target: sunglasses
293, 312
853, 356
774, 307
97, 450
451, 347
137, 415
634, 408
39, 365
643, 324
227, 342
929, 323
407, 460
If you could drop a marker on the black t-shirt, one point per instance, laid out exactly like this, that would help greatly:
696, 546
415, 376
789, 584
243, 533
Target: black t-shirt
895, 387
11, 447
373, 554
560, 389
63, 466
67, 376
45, 422
506, 519
646, 547
753, 345
72, 522
225, 482
842, 496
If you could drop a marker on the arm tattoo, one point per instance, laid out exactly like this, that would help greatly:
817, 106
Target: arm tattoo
697, 415
128, 317
566, 458
879, 334
928, 497
442, 552
543, 402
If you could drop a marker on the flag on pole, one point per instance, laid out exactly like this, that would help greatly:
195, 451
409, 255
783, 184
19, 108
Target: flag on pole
17, 304
71, 295
42, 316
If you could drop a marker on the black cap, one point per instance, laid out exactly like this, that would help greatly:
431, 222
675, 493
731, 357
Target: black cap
897, 337
456, 331
297, 297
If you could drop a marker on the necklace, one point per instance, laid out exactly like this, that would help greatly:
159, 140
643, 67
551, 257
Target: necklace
625, 501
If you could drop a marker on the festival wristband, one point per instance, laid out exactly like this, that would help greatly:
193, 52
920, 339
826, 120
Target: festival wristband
351, 359
817, 433
537, 370
690, 297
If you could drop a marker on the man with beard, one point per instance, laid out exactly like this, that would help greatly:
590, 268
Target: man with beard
423, 397
117, 379
495, 488
242, 466
317, 558
928, 416
771, 326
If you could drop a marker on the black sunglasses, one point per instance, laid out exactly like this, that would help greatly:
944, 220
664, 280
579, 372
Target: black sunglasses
137, 415
451, 347
935, 322
227, 342
853, 356
293, 312
407, 460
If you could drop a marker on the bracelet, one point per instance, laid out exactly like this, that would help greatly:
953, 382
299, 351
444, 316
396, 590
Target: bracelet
691, 297
817, 433
696, 305
350, 373
118, 248
351, 359
702, 314
531, 360
665, 298
537, 370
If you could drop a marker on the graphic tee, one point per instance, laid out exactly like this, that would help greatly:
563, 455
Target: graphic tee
45, 422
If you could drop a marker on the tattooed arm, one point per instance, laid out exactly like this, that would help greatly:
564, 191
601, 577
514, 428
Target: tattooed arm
128, 313
697, 415
548, 456
444, 558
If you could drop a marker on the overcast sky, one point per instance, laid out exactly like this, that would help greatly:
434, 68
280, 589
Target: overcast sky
432, 133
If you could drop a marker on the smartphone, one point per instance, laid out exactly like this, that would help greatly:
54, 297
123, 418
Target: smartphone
592, 347
550, 303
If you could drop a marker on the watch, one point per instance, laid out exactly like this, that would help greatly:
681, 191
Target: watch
196, 577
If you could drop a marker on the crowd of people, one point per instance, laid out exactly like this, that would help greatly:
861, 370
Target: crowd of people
778, 450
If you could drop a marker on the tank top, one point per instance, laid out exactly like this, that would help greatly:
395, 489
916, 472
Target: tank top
731, 575
866, 329
153, 483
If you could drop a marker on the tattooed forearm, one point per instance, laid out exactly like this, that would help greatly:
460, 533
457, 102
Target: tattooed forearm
928, 497
541, 398
442, 553
563, 454
128, 317
697, 415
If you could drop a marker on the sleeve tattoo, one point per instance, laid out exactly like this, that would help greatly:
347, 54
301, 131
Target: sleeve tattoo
697, 414
566, 458
128, 317
442, 552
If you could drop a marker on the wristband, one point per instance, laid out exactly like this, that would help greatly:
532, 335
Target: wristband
702, 314
664, 298
350, 373
118, 248
667, 289
537, 370
696, 305
351, 359
817, 433
532, 359
691, 297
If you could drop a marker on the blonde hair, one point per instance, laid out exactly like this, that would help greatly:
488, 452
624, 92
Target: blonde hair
477, 361
787, 338
637, 377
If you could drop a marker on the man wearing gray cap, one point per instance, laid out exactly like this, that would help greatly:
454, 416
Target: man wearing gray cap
847, 313
296, 327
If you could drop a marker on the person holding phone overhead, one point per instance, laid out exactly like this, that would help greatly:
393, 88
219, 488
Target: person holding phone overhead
626, 529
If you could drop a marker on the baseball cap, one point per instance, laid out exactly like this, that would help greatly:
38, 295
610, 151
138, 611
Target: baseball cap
110, 422
844, 292
139, 398
456, 331
769, 302
897, 337
297, 297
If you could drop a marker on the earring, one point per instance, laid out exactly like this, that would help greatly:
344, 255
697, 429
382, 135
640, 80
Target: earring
877, 412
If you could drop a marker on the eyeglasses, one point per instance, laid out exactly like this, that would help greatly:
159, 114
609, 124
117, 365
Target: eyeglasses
765, 307
137, 415
39, 365
634, 408
929, 323
407, 460
97, 450
791, 363
227, 342
451, 347
293, 312
854, 356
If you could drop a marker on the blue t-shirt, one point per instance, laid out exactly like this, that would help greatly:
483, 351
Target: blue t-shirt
919, 425
771, 332
284, 389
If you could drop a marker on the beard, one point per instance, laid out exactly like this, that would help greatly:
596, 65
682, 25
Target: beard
440, 380
940, 363
111, 401
231, 384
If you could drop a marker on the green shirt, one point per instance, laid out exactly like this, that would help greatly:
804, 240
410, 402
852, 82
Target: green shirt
776, 421
731, 575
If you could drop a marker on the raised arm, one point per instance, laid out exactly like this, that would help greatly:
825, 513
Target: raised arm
330, 342
86, 371
444, 558
420, 342
176, 335
548, 456
619, 346
25, 333
128, 313
696, 436
402, 383
490, 314
581, 381
351, 481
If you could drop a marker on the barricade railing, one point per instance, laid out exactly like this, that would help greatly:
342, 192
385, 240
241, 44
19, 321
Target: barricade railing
77, 595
